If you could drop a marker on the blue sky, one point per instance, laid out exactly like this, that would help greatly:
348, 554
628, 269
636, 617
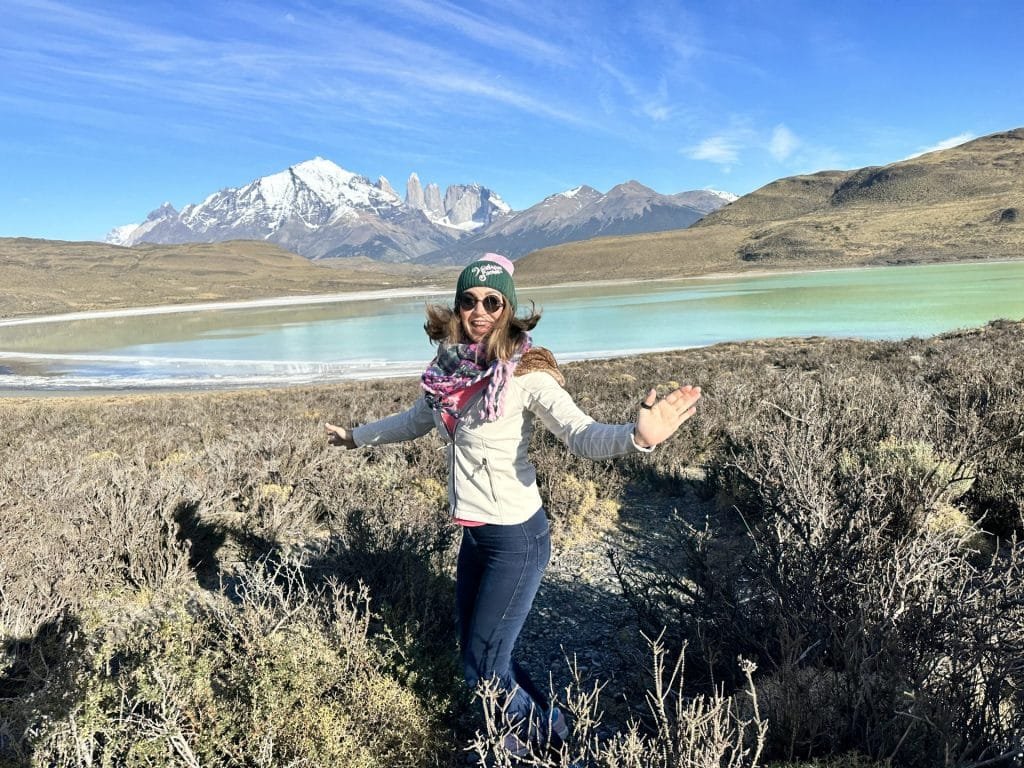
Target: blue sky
108, 109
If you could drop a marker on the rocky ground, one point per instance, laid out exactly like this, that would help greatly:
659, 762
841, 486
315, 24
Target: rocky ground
582, 619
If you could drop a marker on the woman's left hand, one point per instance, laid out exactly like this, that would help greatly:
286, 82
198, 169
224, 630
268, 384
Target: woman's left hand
658, 419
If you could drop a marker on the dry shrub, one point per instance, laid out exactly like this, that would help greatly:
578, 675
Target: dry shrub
579, 514
676, 731
978, 376
851, 568
849, 760
106, 524
141, 490
288, 675
261, 481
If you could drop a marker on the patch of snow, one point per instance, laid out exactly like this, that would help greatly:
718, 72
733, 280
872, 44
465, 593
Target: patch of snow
499, 204
465, 226
331, 182
729, 197
120, 235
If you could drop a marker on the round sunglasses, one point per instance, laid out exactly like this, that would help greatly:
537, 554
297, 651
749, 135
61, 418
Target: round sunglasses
492, 303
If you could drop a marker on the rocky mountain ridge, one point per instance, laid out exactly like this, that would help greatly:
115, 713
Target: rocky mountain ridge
320, 210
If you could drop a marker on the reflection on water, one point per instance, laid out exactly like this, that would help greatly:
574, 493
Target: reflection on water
116, 333
327, 341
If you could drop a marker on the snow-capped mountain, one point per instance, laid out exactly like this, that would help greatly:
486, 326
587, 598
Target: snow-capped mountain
580, 214
312, 208
706, 200
121, 235
466, 207
320, 210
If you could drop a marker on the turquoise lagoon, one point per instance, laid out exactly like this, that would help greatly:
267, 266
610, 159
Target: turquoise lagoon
333, 338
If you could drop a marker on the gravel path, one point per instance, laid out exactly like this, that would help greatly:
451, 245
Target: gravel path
581, 612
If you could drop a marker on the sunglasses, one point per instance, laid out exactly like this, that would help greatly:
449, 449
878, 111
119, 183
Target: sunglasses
491, 302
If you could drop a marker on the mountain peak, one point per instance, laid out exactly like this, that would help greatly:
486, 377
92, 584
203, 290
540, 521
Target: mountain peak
320, 210
325, 178
121, 235
729, 197
322, 166
385, 186
631, 187
165, 211
581, 191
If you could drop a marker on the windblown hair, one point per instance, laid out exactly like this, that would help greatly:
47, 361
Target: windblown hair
444, 326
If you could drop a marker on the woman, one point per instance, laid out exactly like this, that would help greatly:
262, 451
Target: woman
482, 392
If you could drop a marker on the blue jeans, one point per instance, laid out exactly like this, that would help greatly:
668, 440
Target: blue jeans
499, 572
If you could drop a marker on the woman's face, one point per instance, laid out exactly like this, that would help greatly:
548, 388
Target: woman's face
477, 321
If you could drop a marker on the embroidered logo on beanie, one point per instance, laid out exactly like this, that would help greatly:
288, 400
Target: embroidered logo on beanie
484, 271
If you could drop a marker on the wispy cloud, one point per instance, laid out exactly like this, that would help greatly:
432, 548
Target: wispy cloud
728, 146
498, 35
722, 150
952, 141
782, 143
295, 60
651, 102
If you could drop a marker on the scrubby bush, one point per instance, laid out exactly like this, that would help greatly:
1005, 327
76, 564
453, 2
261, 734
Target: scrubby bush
884, 619
679, 730
286, 675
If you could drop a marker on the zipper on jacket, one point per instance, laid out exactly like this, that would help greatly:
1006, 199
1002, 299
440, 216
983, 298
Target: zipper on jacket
451, 471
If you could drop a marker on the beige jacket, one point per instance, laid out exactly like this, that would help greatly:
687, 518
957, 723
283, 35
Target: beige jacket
490, 477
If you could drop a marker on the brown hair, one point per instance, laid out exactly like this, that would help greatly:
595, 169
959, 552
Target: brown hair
444, 326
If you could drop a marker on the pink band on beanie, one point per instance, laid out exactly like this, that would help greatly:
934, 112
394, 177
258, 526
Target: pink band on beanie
502, 261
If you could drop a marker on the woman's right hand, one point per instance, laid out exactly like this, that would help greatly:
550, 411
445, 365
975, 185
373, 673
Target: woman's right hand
340, 436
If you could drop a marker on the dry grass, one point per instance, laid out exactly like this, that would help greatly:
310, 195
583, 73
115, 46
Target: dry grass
50, 277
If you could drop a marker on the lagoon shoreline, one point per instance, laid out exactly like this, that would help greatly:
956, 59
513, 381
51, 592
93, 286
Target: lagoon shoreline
432, 290
22, 370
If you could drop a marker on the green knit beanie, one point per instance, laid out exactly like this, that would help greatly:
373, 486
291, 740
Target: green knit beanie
492, 271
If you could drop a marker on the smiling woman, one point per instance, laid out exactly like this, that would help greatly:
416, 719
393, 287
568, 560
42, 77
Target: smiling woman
483, 393
485, 309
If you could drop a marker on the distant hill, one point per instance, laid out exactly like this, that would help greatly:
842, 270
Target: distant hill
961, 203
49, 277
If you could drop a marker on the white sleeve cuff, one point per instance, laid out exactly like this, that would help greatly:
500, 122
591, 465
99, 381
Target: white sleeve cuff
641, 448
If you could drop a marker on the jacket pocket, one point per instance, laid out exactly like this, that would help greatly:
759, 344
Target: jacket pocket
490, 478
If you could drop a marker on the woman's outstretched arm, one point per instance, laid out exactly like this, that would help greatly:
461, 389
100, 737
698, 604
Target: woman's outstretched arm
593, 440
408, 425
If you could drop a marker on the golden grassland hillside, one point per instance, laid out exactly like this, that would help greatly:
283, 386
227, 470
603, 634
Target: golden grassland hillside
961, 203
197, 579
50, 277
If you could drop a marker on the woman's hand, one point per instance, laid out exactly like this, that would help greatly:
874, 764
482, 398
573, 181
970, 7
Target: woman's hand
340, 436
658, 419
